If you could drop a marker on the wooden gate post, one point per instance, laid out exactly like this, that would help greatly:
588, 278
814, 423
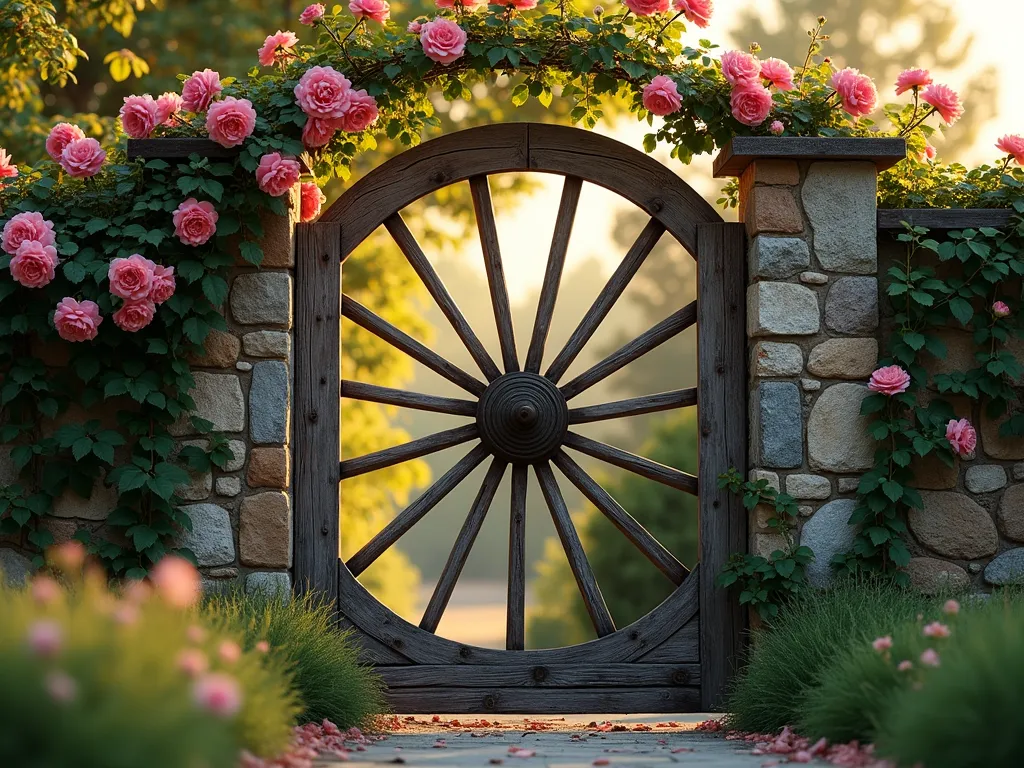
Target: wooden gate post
722, 420
317, 354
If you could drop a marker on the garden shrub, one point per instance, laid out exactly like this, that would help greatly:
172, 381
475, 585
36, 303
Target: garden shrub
92, 678
330, 680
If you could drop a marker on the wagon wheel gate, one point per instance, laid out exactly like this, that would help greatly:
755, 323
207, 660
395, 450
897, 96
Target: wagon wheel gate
521, 419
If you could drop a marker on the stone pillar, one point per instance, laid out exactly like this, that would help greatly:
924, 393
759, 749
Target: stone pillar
812, 322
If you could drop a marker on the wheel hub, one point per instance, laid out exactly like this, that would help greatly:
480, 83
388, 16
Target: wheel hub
523, 418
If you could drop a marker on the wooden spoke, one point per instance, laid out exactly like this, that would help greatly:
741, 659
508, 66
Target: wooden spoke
463, 544
669, 327
495, 272
553, 274
407, 451
357, 390
639, 251
585, 580
407, 242
381, 328
635, 406
412, 514
515, 624
652, 470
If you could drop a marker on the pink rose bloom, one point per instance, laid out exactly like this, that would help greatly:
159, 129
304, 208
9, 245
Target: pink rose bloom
312, 14
647, 7
443, 41
311, 198
229, 652
176, 581
1000, 309
131, 278
945, 100
69, 556
276, 47
1012, 144
140, 115
26, 226
740, 68
856, 91
218, 694
777, 73
163, 284
199, 90
324, 93
935, 629
961, 437
890, 380
60, 136
45, 590
414, 27
519, 5
377, 10
661, 96
317, 132
881, 644
195, 634
905, 666
276, 175
262, 646
45, 638
912, 78
133, 316
61, 687
8, 170
82, 158
776, 128
951, 608
362, 113
77, 321
34, 263
696, 11
469, 5
930, 658
751, 103
193, 662
231, 121
195, 222
929, 153
170, 105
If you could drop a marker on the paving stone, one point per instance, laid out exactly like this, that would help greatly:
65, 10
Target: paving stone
851, 305
844, 359
14, 567
813, 278
995, 445
211, 538
771, 358
269, 585
776, 172
828, 532
238, 456
837, 436
264, 532
778, 257
780, 426
229, 486
220, 351
848, 484
954, 526
1006, 569
99, 504
808, 486
931, 577
268, 468
268, 403
782, 309
218, 399
839, 199
267, 344
262, 298
764, 474
985, 478
1010, 516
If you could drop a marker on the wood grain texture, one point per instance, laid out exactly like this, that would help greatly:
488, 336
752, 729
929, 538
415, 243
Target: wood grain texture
634, 406
652, 470
944, 218
515, 675
317, 408
735, 156
722, 424
515, 624
357, 390
543, 701
682, 646
371, 650
414, 449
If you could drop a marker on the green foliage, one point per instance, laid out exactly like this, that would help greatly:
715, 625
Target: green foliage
324, 664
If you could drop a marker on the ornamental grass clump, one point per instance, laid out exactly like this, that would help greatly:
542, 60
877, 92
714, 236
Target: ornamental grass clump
100, 679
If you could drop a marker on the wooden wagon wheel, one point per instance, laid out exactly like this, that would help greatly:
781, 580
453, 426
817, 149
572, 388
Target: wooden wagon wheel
522, 412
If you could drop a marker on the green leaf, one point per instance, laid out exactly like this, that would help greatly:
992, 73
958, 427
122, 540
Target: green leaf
251, 252
961, 309
215, 289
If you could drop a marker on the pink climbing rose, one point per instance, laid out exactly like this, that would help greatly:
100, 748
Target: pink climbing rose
26, 226
647, 7
140, 115
778, 74
961, 436
1000, 309
905, 666
890, 380
414, 26
362, 113
170, 105
945, 101
443, 40
661, 96
375, 10
697, 12
82, 158
8, 170
882, 644
77, 321
163, 284
311, 14
324, 93
60, 136
951, 607
218, 694
177, 582
935, 629
231, 121
33, 264
199, 90
45, 638
317, 132
857, 92
740, 68
1012, 144
777, 128
133, 316
277, 48
930, 658
751, 103
929, 153
193, 662
276, 175
195, 222
131, 278
310, 199
912, 79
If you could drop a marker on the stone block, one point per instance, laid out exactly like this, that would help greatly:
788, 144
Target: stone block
839, 200
985, 478
828, 533
808, 486
14, 567
1007, 569
851, 306
269, 406
278, 239
269, 586
773, 209
218, 399
837, 436
778, 257
764, 474
848, 484
932, 473
767, 543
101, 502
780, 425
220, 351
228, 486
268, 468
267, 344
813, 278
932, 577
954, 526
262, 298
1010, 515
960, 349
776, 172
211, 538
1018, 471
781, 309
243, 365
995, 445
771, 358
237, 460
810, 385
265, 530
844, 359
198, 489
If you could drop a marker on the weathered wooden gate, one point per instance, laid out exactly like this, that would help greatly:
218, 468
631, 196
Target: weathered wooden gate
679, 656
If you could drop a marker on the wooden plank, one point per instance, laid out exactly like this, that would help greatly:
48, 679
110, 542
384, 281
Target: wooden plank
371, 650
944, 218
634, 406
515, 675
682, 646
743, 150
515, 623
543, 701
722, 423
315, 449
